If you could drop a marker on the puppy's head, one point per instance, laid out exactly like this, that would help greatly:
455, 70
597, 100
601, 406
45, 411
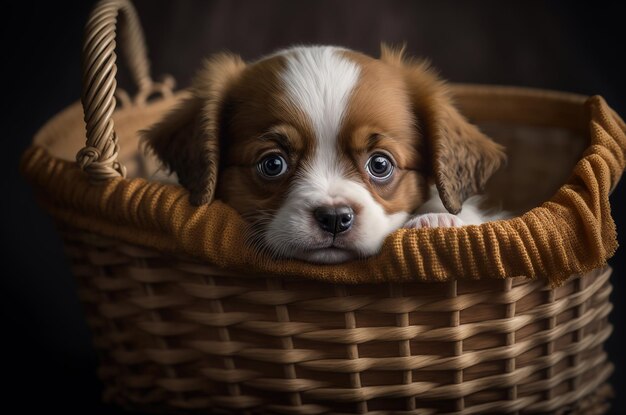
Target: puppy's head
323, 150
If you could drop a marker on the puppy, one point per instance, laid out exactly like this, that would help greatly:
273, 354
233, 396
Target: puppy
325, 151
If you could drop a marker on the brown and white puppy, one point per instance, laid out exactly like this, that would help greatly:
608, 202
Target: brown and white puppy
325, 151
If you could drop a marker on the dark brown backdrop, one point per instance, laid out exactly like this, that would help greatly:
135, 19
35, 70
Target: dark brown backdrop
47, 362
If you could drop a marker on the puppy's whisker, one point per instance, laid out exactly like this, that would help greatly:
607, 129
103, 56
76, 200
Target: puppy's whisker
255, 233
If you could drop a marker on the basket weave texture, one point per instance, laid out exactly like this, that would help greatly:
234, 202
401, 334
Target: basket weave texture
509, 316
179, 334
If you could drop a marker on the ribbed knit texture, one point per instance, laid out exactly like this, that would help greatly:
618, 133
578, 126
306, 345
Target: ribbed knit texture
571, 233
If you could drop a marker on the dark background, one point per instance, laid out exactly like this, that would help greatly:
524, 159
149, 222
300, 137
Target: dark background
47, 362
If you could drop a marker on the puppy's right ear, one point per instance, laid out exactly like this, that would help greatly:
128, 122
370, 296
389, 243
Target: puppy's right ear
463, 158
187, 139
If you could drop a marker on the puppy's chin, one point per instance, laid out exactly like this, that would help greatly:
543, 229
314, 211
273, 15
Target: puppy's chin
330, 255
317, 249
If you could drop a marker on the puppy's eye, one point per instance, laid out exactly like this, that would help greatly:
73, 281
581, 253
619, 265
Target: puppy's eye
379, 167
272, 166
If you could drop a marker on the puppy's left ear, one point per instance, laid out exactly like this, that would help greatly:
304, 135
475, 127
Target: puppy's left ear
463, 158
187, 139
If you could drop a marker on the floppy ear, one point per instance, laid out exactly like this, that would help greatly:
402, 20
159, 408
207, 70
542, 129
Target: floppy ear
463, 158
187, 139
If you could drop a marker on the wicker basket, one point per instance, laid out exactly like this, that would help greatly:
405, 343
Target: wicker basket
176, 331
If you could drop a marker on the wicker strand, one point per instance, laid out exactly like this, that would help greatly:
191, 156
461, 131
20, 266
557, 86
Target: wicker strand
455, 320
510, 364
119, 347
402, 320
580, 333
155, 317
550, 347
282, 315
352, 350
233, 387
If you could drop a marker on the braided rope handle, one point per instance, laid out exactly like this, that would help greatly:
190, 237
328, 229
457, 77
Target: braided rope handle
99, 156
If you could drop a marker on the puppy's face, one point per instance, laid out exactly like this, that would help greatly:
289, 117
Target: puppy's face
324, 151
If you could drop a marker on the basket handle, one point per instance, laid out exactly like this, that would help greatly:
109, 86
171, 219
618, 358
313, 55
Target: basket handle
99, 156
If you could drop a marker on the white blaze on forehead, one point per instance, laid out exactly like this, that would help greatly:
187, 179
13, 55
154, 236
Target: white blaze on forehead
319, 80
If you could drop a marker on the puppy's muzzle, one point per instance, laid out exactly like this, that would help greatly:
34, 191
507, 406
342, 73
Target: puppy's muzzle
334, 219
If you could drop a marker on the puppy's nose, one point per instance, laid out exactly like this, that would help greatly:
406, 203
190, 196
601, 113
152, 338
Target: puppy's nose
334, 219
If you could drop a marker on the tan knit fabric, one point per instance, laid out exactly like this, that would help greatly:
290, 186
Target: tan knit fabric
573, 232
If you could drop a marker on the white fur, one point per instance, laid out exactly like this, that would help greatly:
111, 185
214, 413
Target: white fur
434, 220
319, 82
293, 231
434, 214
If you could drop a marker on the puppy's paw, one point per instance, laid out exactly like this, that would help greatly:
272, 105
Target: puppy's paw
434, 220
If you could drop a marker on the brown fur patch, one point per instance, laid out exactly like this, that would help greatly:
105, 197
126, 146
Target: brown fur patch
379, 117
462, 157
187, 139
261, 121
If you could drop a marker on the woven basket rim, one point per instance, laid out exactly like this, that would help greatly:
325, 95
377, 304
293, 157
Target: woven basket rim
159, 216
